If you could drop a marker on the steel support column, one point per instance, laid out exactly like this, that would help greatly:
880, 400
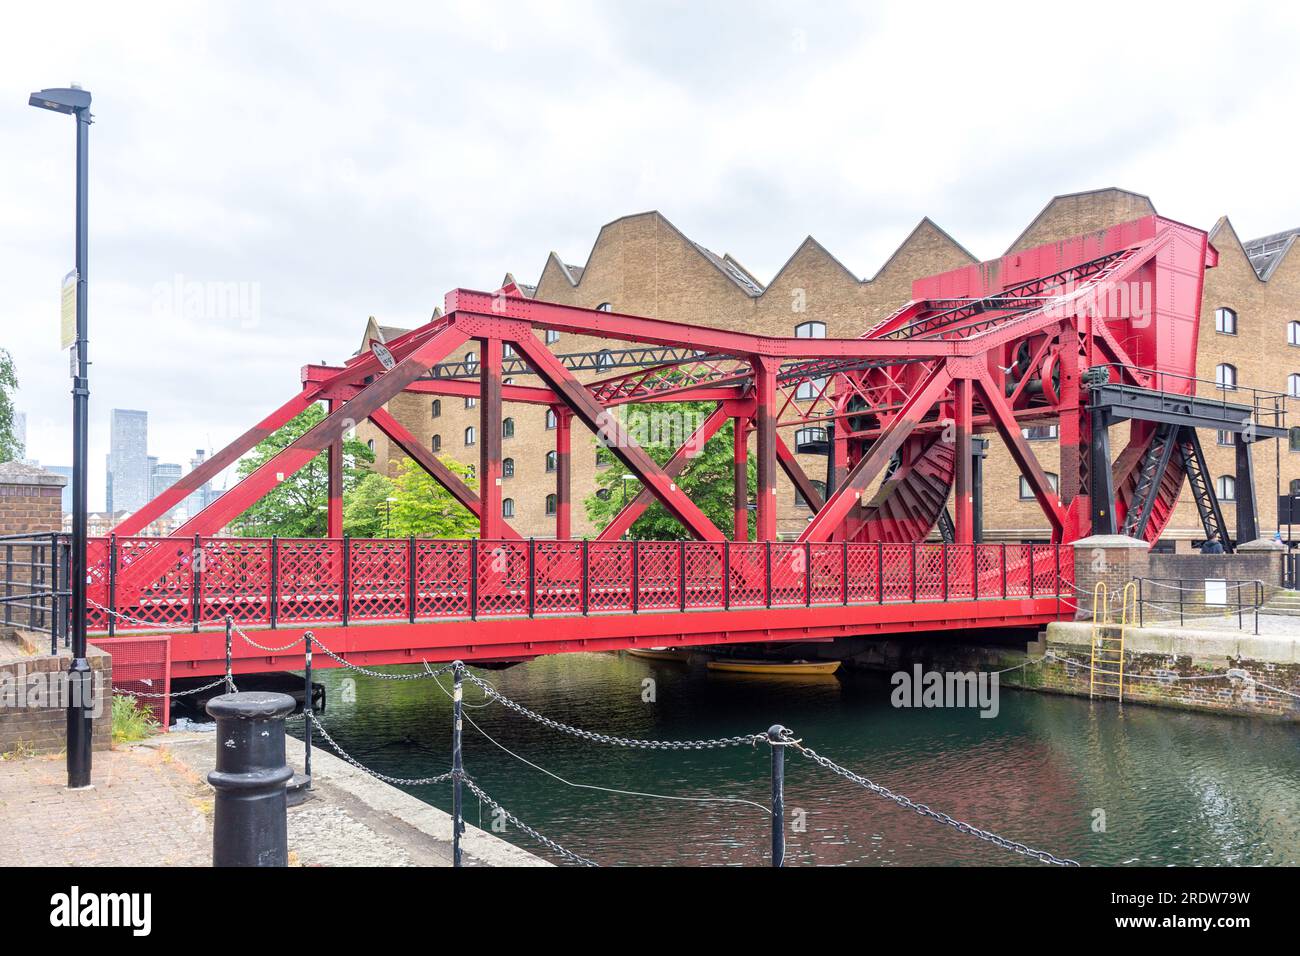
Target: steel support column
765, 426
740, 479
563, 472
1247, 512
334, 510
964, 526
489, 439
1101, 483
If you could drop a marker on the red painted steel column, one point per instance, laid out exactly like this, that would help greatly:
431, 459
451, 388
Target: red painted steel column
765, 424
964, 521
489, 439
334, 511
839, 452
740, 470
1069, 433
563, 472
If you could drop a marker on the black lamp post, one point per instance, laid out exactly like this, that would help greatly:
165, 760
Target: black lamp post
76, 102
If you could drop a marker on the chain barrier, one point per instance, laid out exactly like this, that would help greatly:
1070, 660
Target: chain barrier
738, 741
395, 781
545, 841
179, 693
1041, 855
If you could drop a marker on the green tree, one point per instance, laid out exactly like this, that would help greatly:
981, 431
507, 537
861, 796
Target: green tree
8, 382
364, 509
427, 509
296, 508
707, 479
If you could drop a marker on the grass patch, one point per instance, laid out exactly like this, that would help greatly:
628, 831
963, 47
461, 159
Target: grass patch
131, 720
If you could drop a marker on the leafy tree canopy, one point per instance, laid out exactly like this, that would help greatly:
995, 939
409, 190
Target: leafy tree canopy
707, 479
8, 382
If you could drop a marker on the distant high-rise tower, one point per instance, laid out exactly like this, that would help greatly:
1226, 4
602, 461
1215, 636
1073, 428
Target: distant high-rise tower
203, 496
163, 476
128, 460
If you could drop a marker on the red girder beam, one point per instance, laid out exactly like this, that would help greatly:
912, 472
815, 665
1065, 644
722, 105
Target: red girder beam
296, 455
489, 439
196, 479
846, 497
430, 462
765, 395
794, 471
334, 509
675, 465
608, 427
740, 478
563, 472
964, 520
1007, 426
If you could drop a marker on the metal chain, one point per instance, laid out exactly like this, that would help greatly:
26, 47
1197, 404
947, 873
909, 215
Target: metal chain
153, 625
545, 841
379, 674
1041, 855
556, 725
262, 647
396, 781
179, 693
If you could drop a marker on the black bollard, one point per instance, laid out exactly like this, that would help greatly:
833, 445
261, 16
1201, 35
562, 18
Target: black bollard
250, 826
776, 738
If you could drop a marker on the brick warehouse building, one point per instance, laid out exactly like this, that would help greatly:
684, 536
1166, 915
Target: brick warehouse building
643, 265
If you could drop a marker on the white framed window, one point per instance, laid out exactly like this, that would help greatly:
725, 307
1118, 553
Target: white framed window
507, 467
552, 336
1225, 376
470, 435
1293, 385
809, 390
507, 350
507, 428
550, 418
1027, 492
1226, 488
507, 507
370, 443
551, 461
1224, 438
471, 362
1039, 432
605, 307
810, 330
470, 401
1225, 321
1293, 333
552, 503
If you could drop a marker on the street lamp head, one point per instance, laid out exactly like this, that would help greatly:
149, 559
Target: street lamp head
61, 99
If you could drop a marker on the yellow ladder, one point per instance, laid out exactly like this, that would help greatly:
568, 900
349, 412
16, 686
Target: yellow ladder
1106, 677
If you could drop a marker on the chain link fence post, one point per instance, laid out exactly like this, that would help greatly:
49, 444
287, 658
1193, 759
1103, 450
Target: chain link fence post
308, 706
457, 768
230, 638
776, 739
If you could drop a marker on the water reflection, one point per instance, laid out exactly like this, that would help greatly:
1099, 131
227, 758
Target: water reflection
1172, 788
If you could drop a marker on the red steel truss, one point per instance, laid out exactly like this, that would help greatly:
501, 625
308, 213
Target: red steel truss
990, 348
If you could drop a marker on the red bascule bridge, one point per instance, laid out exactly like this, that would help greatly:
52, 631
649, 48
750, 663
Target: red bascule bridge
1085, 333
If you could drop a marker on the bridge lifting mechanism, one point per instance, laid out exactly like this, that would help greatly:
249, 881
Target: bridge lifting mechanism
1081, 334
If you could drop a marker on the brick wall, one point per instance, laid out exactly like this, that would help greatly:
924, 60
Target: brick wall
1225, 695
31, 499
44, 728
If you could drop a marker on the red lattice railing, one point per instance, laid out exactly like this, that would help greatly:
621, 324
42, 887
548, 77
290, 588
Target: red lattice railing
267, 582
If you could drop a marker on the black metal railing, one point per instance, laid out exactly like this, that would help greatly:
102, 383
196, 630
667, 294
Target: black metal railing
1160, 600
34, 584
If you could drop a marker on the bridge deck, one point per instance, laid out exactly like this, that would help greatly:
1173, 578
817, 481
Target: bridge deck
393, 601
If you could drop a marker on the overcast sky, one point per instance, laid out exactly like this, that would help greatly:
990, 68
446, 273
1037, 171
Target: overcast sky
336, 161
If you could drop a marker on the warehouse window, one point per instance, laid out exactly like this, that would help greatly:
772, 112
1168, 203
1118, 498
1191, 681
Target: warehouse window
551, 460
1293, 438
1224, 438
551, 504
604, 360
1225, 321
469, 435
801, 502
1027, 492
1293, 385
471, 362
470, 402
507, 428
552, 336
1226, 488
1039, 432
1225, 376
507, 507
370, 443
507, 467
550, 418
1293, 333
436, 443
604, 307
810, 330
437, 408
